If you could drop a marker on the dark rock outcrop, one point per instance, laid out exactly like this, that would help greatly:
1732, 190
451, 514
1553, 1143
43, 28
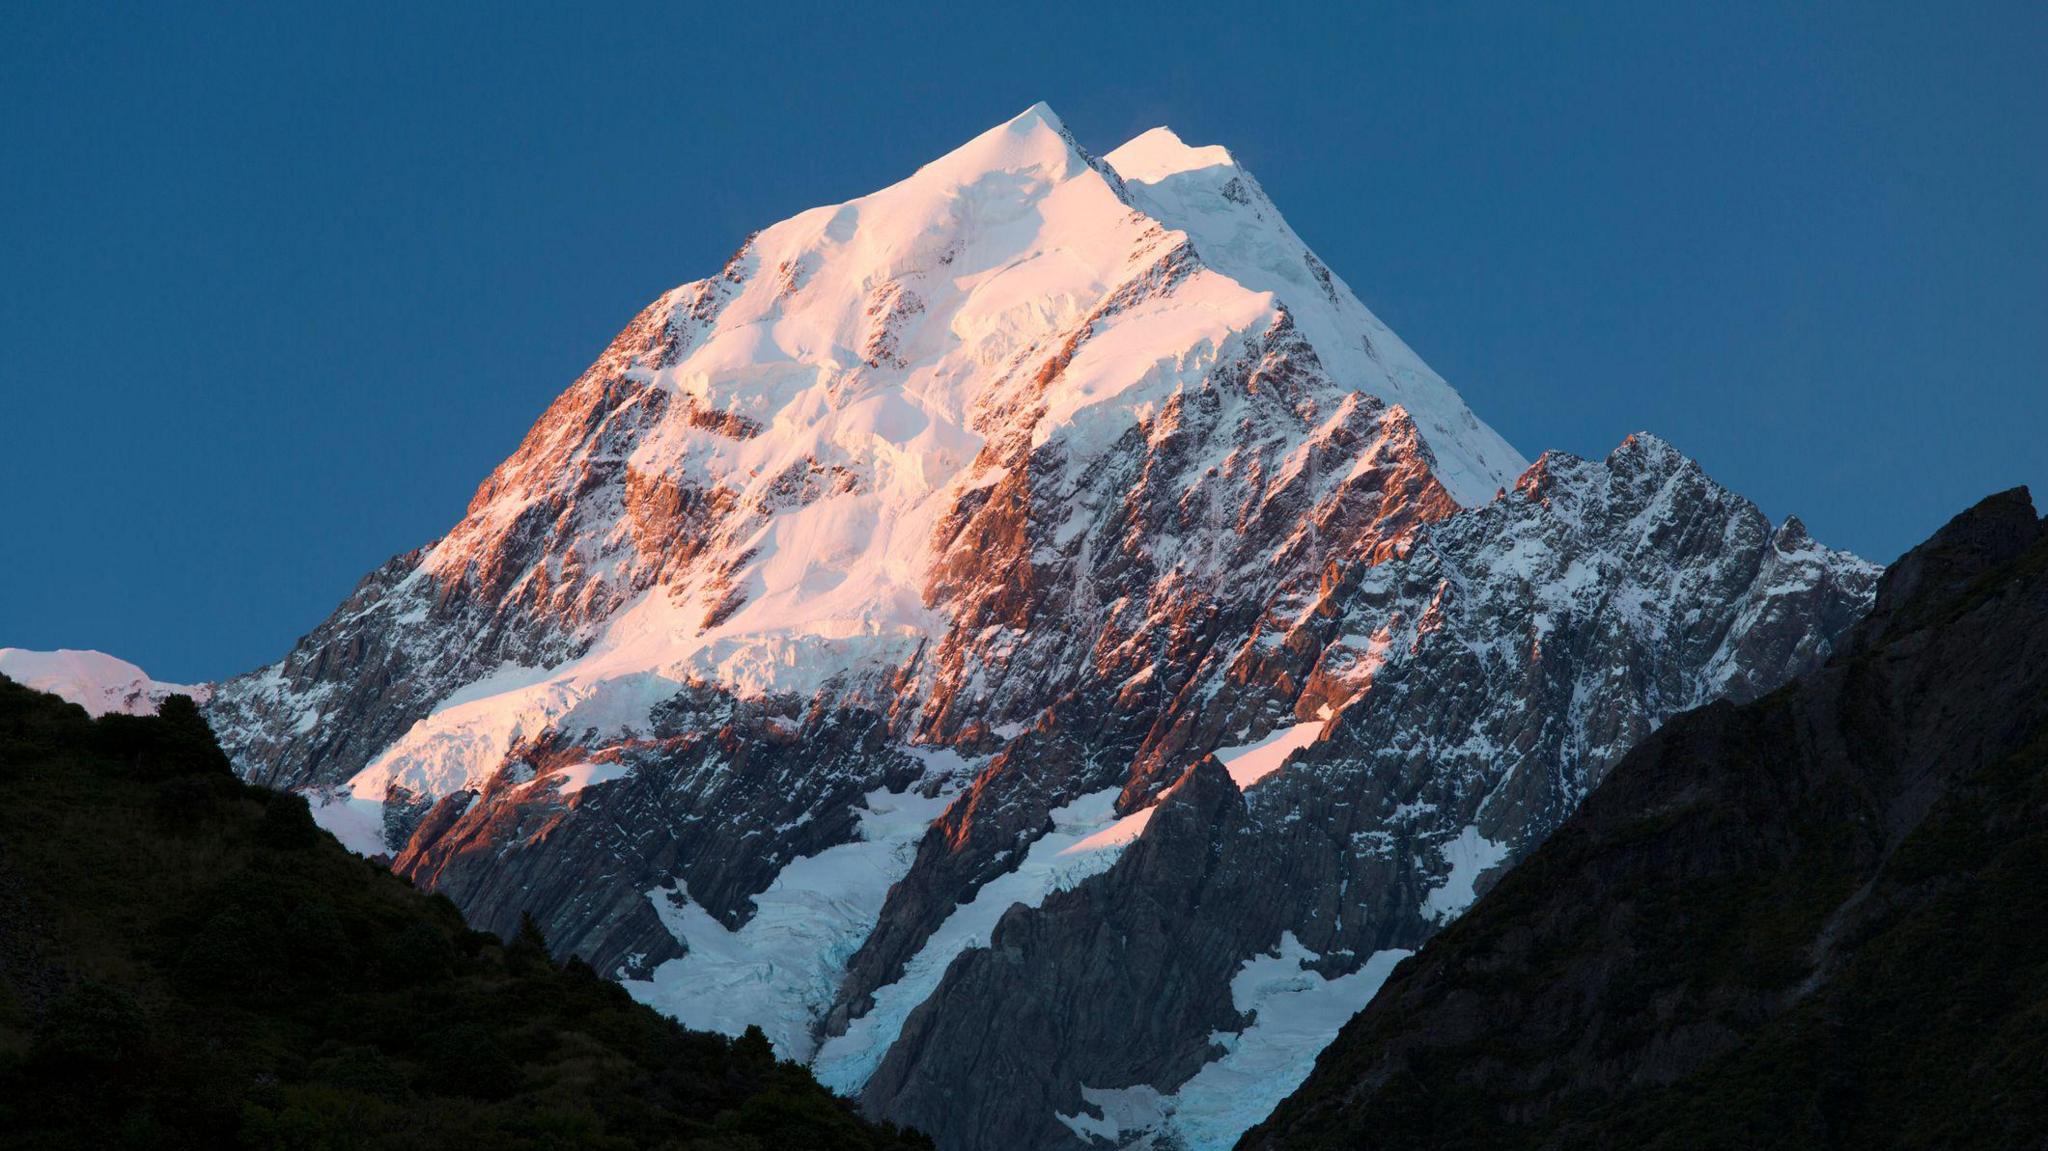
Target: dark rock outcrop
1818, 919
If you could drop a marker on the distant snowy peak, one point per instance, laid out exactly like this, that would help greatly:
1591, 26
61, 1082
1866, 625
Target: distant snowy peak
93, 680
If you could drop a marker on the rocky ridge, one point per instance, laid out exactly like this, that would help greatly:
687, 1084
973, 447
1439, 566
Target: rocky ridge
1467, 695
1812, 920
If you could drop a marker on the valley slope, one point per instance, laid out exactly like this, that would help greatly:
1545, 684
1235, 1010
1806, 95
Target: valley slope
186, 962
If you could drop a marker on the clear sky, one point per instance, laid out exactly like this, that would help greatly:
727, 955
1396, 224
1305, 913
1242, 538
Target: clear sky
278, 288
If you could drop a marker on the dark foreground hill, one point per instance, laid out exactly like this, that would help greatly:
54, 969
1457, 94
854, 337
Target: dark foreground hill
1817, 920
186, 961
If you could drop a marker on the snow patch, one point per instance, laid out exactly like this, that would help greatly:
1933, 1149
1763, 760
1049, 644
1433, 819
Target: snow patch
1470, 856
357, 823
1295, 1014
782, 968
1086, 838
578, 776
1249, 763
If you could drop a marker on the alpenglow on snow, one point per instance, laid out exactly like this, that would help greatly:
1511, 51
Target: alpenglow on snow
1032, 617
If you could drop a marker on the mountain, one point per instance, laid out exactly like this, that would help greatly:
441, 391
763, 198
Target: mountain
185, 961
1815, 920
1044, 556
792, 473
93, 680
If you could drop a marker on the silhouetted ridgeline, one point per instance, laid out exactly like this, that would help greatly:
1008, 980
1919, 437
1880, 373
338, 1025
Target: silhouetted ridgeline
1816, 920
187, 961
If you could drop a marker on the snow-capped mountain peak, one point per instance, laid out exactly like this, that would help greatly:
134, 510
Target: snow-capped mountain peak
754, 486
93, 680
899, 574
1034, 140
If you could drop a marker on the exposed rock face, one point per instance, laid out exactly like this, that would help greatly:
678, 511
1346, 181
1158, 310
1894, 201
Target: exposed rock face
715, 797
1475, 688
905, 570
512, 585
1812, 920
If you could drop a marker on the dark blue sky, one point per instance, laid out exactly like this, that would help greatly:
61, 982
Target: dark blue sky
280, 288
